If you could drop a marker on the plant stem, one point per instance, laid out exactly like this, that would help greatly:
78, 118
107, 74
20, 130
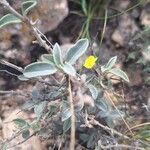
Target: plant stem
95, 122
29, 23
72, 136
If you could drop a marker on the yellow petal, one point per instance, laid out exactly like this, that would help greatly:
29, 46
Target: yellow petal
90, 62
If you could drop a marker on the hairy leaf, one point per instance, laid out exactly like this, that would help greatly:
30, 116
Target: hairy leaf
93, 91
91, 141
36, 126
66, 125
39, 108
47, 58
20, 122
66, 112
84, 137
110, 64
39, 69
118, 72
22, 78
69, 69
25, 134
103, 105
57, 55
76, 51
9, 19
27, 6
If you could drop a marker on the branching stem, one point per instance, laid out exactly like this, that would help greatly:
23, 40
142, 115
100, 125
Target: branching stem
26, 20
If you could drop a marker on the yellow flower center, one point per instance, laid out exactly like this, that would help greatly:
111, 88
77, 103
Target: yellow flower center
90, 62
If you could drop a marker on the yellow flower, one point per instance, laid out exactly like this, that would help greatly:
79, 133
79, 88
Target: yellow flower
90, 62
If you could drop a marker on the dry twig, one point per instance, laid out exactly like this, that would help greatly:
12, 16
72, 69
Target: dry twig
30, 24
112, 131
72, 139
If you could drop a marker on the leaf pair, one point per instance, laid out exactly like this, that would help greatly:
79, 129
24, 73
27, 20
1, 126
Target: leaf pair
51, 63
58, 59
71, 57
25, 126
116, 71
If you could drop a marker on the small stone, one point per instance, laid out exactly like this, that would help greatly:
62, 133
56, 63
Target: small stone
125, 30
118, 38
145, 16
49, 13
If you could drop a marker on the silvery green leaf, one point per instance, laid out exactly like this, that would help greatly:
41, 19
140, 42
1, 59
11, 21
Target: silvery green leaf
47, 58
39, 108
91, 140
57, 56
69, 69
66, 114
79, 117
9, 19
103, 114
36, 126
76, 51
115, 115
3, 146
25, 134
22, 78
35, 93
39, 69
51, 111
20, 122
27, 6
110, 122
84, 137
118, 72
66, 111
93, 91
103, 105
66, 125
110, 64
28, 105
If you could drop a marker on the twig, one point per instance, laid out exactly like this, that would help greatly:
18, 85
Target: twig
140, 125
95, 122
118, 146
44, 37
22, 141
29, 23
11, 138
14, 93
72, 136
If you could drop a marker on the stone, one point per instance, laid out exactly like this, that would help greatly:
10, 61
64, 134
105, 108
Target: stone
125, 31
49, 14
